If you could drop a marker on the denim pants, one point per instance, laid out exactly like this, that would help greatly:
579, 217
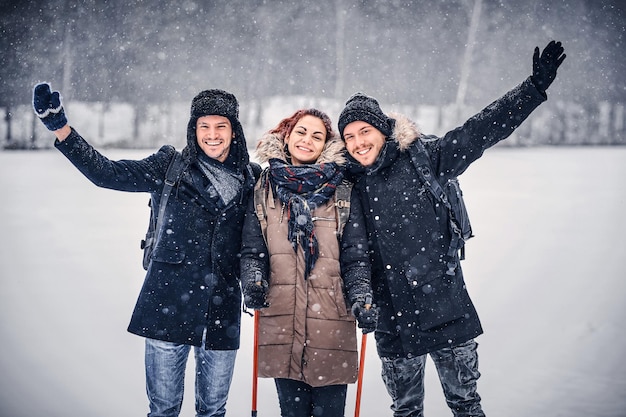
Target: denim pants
165, 375
299, 399
458, 373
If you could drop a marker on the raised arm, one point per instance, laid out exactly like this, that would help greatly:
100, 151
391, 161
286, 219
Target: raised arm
457, 149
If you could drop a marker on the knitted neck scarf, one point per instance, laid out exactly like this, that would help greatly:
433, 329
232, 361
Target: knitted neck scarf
303, 188
226, 182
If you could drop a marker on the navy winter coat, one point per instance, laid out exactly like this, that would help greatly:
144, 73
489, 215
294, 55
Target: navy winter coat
422, 308
192, 282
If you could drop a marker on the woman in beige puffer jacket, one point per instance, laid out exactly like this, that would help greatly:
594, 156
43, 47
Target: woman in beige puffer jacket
305, 281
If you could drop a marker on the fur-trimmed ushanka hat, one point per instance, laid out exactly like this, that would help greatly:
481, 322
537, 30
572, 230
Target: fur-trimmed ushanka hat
365, 108
220, 103
215, 102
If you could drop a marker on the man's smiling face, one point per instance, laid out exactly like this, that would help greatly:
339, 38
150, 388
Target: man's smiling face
214, 135
363, 141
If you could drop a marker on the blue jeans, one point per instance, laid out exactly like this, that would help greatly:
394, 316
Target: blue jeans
458, 373
165, 378
298, 399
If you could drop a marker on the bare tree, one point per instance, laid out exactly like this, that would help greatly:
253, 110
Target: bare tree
467, 56
340, 34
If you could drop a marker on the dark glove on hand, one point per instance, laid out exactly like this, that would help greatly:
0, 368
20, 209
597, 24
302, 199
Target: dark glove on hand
48, 107
366, 314
254, 294
545, 66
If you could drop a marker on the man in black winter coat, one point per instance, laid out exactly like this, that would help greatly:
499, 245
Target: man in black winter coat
191, 295
424, 305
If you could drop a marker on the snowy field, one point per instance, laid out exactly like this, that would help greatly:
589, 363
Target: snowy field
545, 270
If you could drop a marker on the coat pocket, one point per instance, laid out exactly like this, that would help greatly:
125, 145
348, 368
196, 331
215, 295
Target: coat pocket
168, 256
440, 300
147, 245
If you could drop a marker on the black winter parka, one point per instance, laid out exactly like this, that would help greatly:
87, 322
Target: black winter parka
422, 309
192, 282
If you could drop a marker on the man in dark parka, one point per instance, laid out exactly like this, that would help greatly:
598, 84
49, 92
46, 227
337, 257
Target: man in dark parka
424, 306
191, 295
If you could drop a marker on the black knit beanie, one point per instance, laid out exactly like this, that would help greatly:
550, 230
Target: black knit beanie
364, 108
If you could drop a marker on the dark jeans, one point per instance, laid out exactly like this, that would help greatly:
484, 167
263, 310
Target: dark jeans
298, 399
458, 372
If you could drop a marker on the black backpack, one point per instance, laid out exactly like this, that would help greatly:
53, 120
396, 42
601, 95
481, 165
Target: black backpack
173, 172
451, 196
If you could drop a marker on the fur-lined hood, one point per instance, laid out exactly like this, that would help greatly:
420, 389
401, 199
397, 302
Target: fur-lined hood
272, 145
405, 131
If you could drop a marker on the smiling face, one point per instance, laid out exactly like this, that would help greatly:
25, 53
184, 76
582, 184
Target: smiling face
214, 135
306, 141
363, 141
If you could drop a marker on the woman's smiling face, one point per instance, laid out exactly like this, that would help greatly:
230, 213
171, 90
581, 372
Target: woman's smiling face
306, 141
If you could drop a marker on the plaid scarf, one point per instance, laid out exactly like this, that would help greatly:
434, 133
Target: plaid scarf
303, 188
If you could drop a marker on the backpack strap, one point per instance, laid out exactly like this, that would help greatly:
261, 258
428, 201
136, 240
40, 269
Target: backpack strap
261, 190
421, 160
173, 172
342, 205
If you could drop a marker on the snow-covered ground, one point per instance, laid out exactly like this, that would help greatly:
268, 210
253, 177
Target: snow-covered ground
546, 272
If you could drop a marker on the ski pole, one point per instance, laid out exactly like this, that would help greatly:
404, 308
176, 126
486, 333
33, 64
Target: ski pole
258, 279
255, 362
359, 383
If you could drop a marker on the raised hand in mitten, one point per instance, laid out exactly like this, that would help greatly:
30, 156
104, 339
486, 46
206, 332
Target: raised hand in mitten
48, 107
255, 292
545, 66
366, 314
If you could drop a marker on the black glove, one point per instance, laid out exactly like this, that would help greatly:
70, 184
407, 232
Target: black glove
366, 314
48, 107
254, 293
545, 66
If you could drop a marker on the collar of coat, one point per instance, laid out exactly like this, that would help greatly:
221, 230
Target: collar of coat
405, 131
272, 145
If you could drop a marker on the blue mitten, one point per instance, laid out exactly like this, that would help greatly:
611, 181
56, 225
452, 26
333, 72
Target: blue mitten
48, 107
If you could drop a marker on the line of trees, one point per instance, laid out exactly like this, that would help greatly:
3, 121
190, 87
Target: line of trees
114, 125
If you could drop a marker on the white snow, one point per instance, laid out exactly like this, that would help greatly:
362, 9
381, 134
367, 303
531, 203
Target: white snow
545, 271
